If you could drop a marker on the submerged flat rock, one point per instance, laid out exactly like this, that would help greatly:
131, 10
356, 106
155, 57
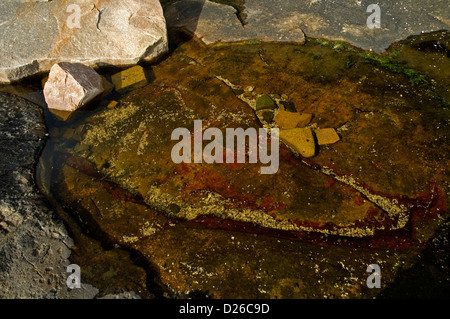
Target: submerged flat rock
34, 35
299, 139
224, 230
326, 136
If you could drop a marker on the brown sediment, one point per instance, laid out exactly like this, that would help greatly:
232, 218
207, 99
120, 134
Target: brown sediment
269, 204
359, 200
81, 164
396, 240
330, 183
355, 201
424, 198
377, 165
209, 180
428, 205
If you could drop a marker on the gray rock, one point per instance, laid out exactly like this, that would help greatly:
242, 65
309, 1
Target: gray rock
289, 20
34, 244
36, 35
213, 22
72, 85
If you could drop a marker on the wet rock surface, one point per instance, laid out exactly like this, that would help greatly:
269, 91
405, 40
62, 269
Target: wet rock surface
292, 20
213, 22
37, 34
34, 243
326, 136
287, 120
224, 230
301, 140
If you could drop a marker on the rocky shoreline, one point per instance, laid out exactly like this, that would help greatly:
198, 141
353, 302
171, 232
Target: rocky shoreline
38, 241
34, 243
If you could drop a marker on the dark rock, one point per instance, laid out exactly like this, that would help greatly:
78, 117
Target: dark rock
268, 116
27, 226
265, 102
308, 231
288, 106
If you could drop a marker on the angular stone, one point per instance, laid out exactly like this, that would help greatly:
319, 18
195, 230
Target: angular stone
305, 118
265, 102
299, 139
61, 115
288, 120
112, 104
326, 136
36, 35
72, 85
126, 78
213, 22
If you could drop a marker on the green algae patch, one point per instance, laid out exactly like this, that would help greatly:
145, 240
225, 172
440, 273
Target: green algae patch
390, 64
265, 102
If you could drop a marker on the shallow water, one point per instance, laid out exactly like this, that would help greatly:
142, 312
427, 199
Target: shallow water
142, 223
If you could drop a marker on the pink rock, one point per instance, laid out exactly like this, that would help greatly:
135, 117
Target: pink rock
72, 85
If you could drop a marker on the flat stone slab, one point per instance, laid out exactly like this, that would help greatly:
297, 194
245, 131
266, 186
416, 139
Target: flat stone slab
291, 20
288, 120
224, 230
214, 22
299, 139
129, 77
36, 35
326, 136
